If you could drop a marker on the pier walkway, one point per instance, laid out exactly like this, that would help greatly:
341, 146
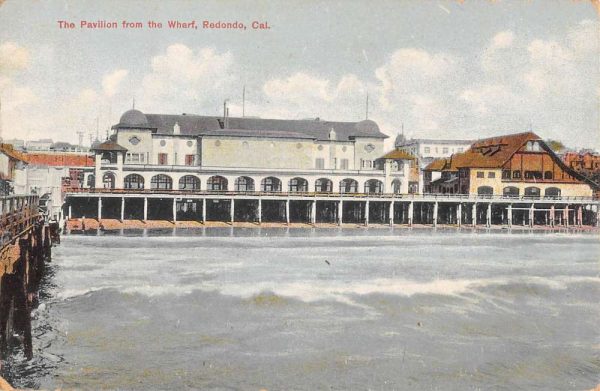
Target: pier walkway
331, 208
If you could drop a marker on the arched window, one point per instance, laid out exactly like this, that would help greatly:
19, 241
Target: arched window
161, 182
216, 183
323, 185
298, 185
552, 192
133, 181
91, 181
108, 179
270, 184
548, 175
189, 182
348, 186
397, 186
532, 192
510, 191
244, 183
485, 191
373, 186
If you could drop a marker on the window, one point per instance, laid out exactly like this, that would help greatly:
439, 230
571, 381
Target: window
323, 185
244, 183
445, 150
548, 175
427, 150
216, 183
516, 174
367, 163
348, 186
270, 184
189, 182
161, 182
320, 163
505, 174
133, 181
480, 174
344, 164
163, 159
533, 175
373, 186
298, 185
491, 174
190, 160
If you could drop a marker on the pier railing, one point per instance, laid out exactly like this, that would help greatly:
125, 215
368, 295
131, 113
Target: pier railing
391, 196
17, 214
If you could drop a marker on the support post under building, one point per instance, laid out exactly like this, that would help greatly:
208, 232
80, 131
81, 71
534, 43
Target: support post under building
410, 213
287, 212
367, 213
259, 211
122, 208
435, 213
474, 215
174, 209
232, 211
509, 215
99, 208
391, 214
204, 210
566, 215
340, 212
459, 214
488, 215
145, 208
552, 215
313, 212
531, 215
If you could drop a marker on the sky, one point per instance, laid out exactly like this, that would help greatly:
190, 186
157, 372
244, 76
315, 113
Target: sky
437, 69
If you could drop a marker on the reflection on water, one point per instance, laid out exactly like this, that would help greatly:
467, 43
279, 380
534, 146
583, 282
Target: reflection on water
314, 309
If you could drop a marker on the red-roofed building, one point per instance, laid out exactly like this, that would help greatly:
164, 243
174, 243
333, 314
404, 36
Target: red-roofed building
512, 165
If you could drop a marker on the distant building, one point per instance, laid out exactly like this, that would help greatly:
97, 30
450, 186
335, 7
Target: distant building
51, 175
584, 160
512, 165
427, 150
46, 145
12, 166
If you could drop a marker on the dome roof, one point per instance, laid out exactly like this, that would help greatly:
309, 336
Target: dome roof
133, 118
367, 127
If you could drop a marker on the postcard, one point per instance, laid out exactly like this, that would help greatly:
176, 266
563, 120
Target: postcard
299, 195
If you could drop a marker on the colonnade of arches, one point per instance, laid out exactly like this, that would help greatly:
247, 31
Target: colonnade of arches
246, 183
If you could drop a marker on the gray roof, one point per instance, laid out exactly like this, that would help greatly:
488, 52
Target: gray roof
197, 125
257, 133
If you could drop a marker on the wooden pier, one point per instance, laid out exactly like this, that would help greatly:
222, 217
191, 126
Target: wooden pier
25, 246
332, 208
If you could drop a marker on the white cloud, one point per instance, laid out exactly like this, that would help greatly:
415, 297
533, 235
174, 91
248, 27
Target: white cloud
13, 58
112, 81
186, 79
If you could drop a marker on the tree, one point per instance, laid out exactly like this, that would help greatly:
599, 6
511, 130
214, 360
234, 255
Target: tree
555, 145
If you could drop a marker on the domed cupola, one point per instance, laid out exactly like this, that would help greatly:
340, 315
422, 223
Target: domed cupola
133, 119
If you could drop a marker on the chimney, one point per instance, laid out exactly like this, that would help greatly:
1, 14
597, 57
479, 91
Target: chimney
176, 128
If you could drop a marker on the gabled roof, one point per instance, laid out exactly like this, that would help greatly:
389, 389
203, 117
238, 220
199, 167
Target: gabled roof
109, 145
491, 152
192, 125
397, 154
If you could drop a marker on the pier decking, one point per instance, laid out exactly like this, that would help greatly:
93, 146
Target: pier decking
331, 208
25, 245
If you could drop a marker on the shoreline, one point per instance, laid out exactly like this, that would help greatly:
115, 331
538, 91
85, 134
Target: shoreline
83, 225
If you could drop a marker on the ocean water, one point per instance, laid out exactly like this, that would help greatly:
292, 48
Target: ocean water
276, 309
